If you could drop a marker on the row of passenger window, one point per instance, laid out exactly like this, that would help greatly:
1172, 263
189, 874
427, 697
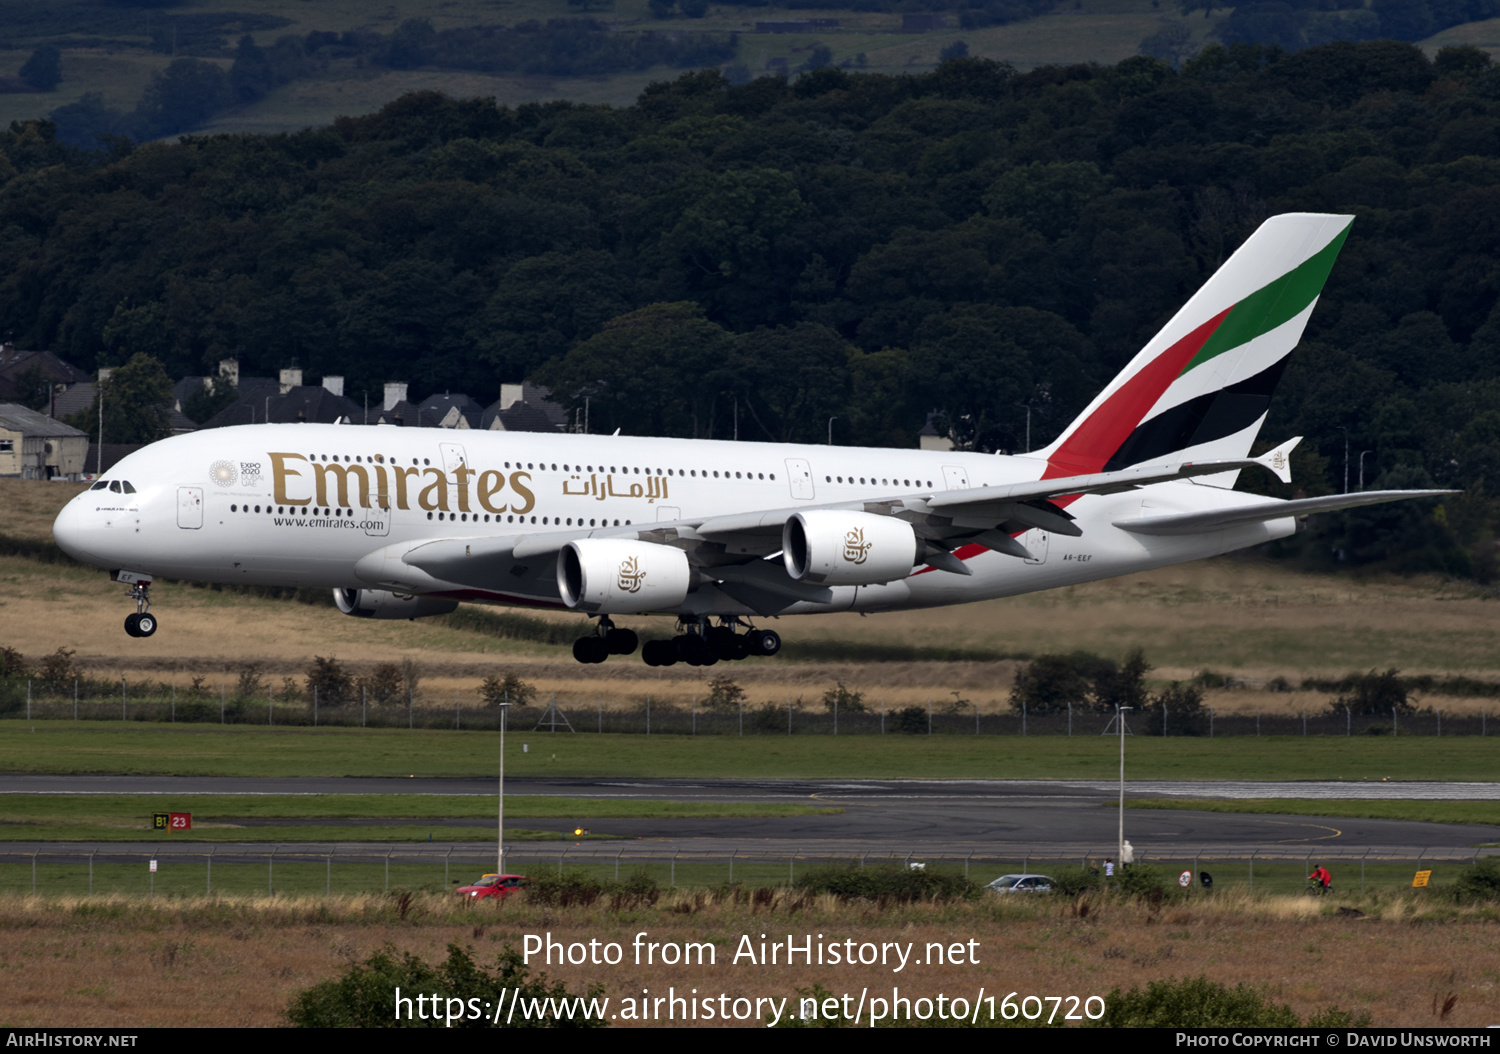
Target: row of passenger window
872, 481
543, 466
553, 521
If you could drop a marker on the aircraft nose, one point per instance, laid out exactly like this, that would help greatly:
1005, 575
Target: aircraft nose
69, 533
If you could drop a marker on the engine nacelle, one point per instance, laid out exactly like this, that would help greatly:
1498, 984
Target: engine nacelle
618, 576
379, 603
830, 547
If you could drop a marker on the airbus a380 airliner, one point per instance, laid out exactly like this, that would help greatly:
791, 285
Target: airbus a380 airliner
403, 523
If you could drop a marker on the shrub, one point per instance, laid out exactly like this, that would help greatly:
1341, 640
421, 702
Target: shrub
12, 663
768, 718
496, 691
1479, 883
1123, 685
57, 671
724, 694
364, 996
847, 702
911, 720
250, 685
1177, 709
384, 683
328, 678
565, 890
889, 881
1050, 683
1374, 693
1194, 1002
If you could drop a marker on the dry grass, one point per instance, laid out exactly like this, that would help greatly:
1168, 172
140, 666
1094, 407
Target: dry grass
133, 963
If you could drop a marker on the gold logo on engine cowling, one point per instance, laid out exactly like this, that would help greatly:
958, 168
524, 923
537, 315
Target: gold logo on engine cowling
631, 575
856, 549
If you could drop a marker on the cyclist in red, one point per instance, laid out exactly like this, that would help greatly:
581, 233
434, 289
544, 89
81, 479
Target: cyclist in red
1322, 877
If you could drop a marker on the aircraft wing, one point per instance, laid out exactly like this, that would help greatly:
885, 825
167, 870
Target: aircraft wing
989, 514
1219, 519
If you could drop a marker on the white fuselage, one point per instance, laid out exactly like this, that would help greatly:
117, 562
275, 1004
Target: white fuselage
302, 505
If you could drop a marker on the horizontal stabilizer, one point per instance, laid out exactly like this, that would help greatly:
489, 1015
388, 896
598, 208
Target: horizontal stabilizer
1220, 519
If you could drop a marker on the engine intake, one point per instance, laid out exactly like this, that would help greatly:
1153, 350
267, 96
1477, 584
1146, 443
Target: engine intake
380, 603
829, 547
618, 576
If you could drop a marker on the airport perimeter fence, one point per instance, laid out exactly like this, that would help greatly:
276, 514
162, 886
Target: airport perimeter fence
302, 870
467, 711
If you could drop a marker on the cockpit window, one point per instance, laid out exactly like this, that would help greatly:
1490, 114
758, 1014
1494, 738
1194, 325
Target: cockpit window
114, 486
101, 485
128, 488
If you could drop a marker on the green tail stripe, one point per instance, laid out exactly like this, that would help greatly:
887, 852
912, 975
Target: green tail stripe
1272, 305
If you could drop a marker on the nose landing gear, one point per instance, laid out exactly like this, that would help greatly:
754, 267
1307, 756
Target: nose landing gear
142, 623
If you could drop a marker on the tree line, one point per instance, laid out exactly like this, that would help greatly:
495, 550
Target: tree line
973, 245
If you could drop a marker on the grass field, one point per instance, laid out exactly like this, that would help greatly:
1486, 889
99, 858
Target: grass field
1102, 31
129, 962
134, 748
383, 818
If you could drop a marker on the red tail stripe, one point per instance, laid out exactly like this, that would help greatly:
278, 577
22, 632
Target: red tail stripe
1096, 439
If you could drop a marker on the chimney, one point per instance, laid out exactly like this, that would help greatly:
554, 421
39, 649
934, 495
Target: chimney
395, 392
229, 369
335, 385
510, 394
291, 377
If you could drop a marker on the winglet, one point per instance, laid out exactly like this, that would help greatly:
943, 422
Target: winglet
1279, 461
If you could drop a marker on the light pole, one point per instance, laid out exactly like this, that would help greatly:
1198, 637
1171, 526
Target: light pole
1120, 849
1362, 454
1027, 407
500, 820
1341, 428
830, 430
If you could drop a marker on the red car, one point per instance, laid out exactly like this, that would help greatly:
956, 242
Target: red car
497, 886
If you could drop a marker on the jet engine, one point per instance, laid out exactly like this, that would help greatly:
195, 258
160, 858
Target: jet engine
617, 576
835, 548
378, 603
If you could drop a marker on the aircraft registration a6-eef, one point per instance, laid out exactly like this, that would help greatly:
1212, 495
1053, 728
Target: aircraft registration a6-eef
403, 522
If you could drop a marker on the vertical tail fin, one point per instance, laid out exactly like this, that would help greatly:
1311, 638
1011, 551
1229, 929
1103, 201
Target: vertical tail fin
1200, 388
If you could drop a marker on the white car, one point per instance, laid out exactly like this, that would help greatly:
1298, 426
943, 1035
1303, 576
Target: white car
1021, 884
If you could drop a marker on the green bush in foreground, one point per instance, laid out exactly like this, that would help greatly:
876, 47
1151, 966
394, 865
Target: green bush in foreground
898, 883
1137, 880
365, 997
1478, 884
1197, 1002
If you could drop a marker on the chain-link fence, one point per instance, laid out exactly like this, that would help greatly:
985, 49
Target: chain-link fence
122, 702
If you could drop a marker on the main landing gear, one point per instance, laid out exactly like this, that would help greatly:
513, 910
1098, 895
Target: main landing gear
608, 640
142, 623
703, 645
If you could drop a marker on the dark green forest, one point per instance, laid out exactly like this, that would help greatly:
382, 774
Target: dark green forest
973, 243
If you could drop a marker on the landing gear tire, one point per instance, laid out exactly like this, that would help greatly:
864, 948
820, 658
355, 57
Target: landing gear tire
145, 625
765, 642
621, 641
590, 650
659, 653
133, 625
